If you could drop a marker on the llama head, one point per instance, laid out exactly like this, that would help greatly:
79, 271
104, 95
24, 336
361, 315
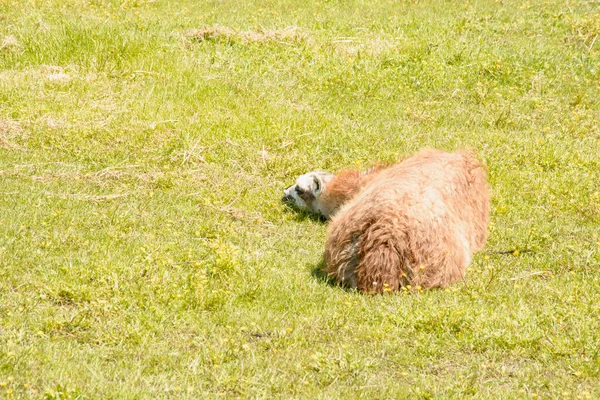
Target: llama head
306, 192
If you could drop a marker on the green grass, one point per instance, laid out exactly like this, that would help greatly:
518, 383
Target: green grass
143, 249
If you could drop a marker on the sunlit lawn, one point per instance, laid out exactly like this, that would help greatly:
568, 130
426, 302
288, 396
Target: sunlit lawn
144, 146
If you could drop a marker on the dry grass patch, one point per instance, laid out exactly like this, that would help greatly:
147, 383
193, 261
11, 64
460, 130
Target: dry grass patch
10, 42
218, 33
42, 75
55, 74
10, 131
105, 177
54, 123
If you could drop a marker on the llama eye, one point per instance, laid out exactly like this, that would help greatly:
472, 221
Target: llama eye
299, 190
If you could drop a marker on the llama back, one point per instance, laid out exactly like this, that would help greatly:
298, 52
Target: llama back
462, 181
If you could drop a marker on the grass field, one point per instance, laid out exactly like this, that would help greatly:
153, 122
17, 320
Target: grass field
144, 146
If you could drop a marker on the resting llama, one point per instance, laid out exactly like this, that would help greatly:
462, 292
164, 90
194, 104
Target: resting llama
413, 225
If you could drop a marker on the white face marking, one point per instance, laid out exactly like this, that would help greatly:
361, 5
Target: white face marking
306, 191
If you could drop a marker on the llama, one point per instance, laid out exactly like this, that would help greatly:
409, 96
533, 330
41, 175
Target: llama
409, 226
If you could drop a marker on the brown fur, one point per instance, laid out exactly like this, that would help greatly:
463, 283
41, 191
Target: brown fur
413, 225
344, 187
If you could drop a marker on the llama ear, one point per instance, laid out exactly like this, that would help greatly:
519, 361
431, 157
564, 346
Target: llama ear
318, 185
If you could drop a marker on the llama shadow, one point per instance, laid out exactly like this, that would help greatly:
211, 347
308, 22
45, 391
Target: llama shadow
318, 273
303, 215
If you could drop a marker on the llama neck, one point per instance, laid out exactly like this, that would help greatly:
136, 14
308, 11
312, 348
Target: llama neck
343, 188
